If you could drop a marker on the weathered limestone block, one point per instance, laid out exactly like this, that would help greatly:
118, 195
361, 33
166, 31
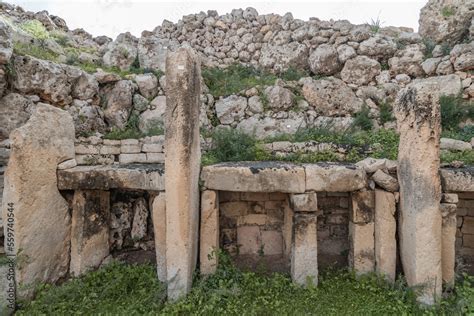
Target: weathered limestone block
182, 160
448, 251
89, 230
255, 177
385, 181
385, 230
331, 177
305, 202
304, 254
362, 254
363, 207
158, 215
418, 118
140, 219
209, 232
142, 177
42, 224
457, 180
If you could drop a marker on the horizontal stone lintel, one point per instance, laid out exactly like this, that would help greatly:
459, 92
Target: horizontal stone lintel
133, 176
246, 177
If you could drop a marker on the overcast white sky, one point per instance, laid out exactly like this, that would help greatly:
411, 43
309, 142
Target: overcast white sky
111, 17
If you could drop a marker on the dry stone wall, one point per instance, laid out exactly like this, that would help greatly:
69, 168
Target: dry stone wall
351, 65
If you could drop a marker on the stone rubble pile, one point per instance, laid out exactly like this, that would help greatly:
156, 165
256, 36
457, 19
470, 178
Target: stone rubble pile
355, 65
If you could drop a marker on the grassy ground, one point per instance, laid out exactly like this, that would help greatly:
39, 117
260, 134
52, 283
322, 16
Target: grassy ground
120, 289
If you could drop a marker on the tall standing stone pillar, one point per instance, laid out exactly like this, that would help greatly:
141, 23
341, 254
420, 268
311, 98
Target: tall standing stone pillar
418, 119
36, 218
182, 163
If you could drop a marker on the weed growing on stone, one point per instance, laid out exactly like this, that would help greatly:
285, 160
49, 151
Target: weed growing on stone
447, 11
131, 130
35, 51
465, 133
466, 156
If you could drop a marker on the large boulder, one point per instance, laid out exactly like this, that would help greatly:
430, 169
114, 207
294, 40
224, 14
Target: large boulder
360, 70
152, 50
231, 109
331, 96
324, 60
122, 52
88, 118
269, 126
119, 103
279, 98
155, 117
54, 83
282, 57
147, 85
408, 61
378, 46
6, 46
42, 222
448, 85
446, 21
15, 110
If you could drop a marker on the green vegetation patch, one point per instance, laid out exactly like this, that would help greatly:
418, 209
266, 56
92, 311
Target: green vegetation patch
116, 289
131, 130
448, 11
120, 289
454, 110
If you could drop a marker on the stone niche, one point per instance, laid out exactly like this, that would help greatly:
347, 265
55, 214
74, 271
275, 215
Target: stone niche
255, 229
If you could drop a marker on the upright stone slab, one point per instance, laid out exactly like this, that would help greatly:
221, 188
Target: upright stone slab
448, 251
182, 163
89, 230
361, 232
41, 221
158, 216
418, 118
209, 241
304, 254
385, 231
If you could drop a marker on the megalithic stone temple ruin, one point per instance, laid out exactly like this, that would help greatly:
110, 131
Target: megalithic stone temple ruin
289, 144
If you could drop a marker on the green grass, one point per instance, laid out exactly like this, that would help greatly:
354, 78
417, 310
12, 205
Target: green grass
465, 134
362, 120
237, 145
114, 290
386, 114
120, 289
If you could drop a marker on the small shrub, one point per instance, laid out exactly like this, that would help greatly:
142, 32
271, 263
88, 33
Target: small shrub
465, 134
36, 29
466, 156
447, 11
386, 114
429, 47
232, 145
454, 110
362, 120
235, 78
35, 51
